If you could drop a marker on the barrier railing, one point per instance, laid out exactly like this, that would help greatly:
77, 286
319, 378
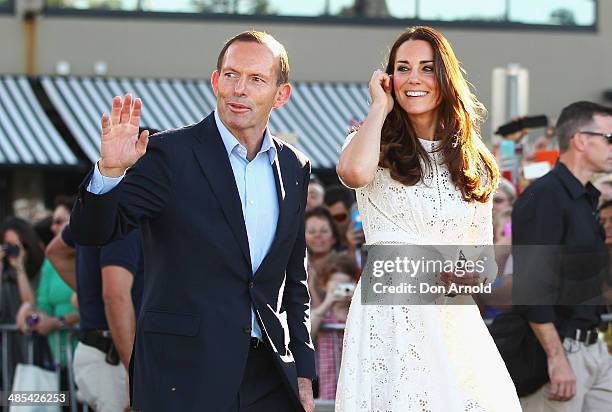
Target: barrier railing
7, 375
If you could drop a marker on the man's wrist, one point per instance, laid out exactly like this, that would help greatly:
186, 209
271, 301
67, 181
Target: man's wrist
110, 171
555, 353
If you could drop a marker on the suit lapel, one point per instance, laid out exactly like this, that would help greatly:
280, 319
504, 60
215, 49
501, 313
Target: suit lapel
215, 164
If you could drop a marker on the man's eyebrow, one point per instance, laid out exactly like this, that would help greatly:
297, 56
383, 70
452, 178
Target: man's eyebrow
231, 69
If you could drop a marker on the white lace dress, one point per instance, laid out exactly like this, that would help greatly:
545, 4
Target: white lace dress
438, 358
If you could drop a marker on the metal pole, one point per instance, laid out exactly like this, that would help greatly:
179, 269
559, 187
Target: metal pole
336, 355
30, 339
29, 26
69, 371
507, 13
5, 377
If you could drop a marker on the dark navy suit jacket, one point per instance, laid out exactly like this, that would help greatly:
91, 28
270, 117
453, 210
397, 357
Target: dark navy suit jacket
194, 328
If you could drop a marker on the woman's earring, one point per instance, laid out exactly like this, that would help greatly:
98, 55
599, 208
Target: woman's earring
455, 140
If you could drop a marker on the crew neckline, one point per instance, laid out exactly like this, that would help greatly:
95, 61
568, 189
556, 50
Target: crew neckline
429, 145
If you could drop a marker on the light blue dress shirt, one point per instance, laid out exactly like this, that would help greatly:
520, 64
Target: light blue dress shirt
257, 190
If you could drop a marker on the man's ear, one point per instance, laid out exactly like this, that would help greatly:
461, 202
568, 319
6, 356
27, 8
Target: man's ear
214, 81
578, 141
282, 95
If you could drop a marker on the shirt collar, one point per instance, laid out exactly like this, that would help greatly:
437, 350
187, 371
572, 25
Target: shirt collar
230, 142
573, 185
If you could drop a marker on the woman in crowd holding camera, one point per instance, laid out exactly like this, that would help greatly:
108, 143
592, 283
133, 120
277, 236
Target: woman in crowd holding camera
337, 278
423, 177
21, 257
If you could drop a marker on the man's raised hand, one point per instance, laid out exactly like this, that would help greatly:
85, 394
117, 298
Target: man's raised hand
121, 146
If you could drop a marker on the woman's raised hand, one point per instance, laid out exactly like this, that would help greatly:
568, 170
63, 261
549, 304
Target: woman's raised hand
380, 87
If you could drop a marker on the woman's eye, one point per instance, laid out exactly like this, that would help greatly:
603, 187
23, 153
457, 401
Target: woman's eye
428, 68
402, 69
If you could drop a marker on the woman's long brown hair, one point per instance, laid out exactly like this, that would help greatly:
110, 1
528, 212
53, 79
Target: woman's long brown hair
472, 167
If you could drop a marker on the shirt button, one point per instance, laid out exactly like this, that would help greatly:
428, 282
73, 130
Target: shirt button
251, 285
247, 329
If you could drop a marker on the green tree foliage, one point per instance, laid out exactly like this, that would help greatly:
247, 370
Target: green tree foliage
564, 17
233, 6
91, 4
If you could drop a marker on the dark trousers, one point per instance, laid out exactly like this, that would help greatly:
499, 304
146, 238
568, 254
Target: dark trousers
262, 388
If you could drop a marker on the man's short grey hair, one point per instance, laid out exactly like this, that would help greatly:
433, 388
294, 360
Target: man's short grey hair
576, 117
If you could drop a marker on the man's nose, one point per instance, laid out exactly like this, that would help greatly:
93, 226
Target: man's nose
240, 86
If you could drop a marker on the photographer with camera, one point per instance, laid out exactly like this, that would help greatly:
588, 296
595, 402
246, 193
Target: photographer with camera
21, 257
338, 279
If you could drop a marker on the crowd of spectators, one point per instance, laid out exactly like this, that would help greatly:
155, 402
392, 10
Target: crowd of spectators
333, 241
34, 297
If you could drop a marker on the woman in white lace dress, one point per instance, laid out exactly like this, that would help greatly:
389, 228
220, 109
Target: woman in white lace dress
422, 177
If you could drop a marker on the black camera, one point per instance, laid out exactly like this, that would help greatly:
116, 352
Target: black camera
529, 122
10, 250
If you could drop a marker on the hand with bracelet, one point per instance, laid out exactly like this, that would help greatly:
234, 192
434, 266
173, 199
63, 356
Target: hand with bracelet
47, 324
29, 318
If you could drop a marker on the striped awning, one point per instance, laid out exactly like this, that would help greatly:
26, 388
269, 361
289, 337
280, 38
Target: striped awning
27, 136
317, 117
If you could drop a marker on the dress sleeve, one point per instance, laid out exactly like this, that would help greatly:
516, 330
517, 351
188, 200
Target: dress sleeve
347, 141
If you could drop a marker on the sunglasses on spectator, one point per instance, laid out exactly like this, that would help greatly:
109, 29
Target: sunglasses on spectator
608, 136
340, 217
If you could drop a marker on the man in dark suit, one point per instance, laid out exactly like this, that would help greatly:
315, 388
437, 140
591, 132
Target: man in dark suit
224, 324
